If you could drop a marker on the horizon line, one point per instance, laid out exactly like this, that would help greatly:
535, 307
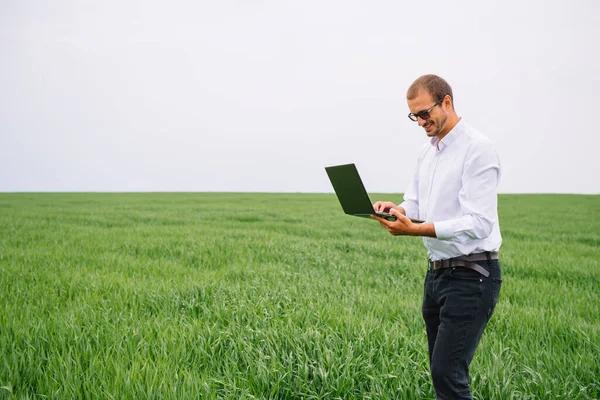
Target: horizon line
257, 192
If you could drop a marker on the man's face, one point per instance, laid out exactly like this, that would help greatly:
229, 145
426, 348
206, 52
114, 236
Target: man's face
434, 125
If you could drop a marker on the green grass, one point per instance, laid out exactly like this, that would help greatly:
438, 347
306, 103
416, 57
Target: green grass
241, 296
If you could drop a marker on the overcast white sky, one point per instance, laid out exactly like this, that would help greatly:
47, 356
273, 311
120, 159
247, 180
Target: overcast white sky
261, 95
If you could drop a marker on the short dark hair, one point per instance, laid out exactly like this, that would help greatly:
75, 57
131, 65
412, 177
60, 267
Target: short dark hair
434, 85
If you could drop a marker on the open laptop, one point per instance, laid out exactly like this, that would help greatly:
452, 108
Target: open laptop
351, 193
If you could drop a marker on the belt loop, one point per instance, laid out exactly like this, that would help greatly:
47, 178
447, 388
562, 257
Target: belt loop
489, 257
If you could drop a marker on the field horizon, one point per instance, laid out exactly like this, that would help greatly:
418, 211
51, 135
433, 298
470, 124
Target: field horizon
244, 295
400, 194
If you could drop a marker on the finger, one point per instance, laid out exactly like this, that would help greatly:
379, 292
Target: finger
401, 217
390, 206
395, 212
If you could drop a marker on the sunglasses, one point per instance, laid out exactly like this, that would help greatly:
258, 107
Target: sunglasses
424, 115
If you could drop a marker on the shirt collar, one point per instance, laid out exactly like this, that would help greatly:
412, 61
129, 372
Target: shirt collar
450, 137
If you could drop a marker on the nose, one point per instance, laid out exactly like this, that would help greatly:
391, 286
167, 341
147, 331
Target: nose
421, 121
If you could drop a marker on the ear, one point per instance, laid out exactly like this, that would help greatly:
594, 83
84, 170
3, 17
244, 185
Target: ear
447, 102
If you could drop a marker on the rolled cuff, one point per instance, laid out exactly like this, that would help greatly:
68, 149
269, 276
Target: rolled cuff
444, 230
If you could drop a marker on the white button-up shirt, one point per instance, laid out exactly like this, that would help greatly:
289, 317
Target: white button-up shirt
454, 187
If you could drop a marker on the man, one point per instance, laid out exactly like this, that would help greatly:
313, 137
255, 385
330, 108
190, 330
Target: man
454, 191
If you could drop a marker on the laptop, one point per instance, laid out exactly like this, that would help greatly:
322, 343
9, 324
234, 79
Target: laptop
351, 193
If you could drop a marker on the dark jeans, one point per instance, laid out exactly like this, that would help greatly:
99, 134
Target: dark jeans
457, 304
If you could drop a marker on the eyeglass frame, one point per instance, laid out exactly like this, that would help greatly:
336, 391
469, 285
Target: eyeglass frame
424, 115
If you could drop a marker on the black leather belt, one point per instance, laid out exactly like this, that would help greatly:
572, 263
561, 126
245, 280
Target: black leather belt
466, 262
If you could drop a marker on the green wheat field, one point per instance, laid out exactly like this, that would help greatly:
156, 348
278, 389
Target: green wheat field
276, 296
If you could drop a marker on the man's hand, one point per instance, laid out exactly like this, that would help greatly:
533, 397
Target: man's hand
401, 226
404, 226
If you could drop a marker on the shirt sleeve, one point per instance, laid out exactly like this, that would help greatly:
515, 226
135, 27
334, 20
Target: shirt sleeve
478, 197
411, 199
